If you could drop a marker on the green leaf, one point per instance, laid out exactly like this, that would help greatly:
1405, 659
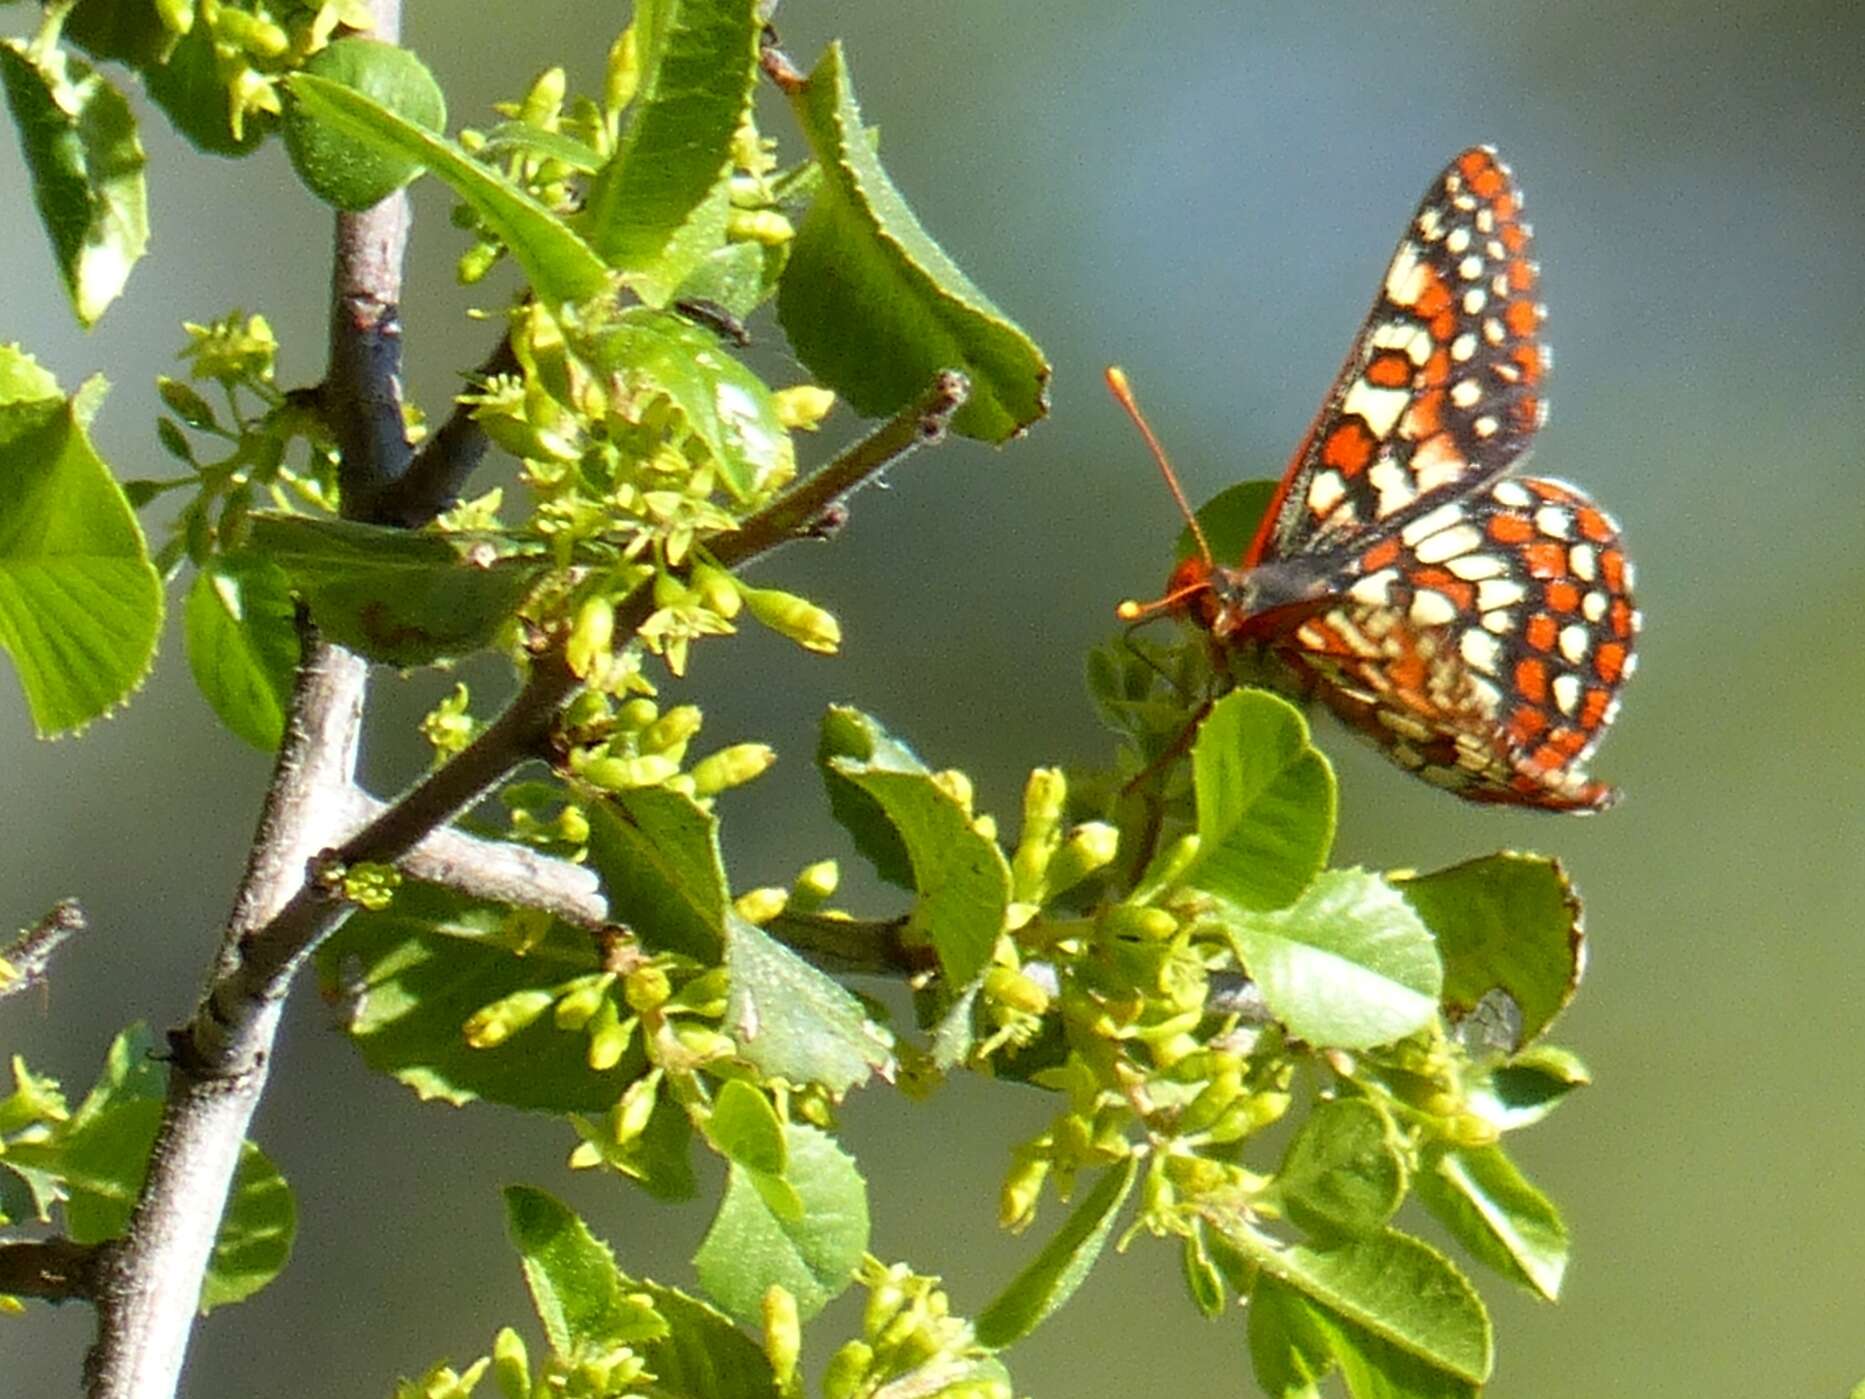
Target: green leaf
658, 854
660, 204
727, 410
1493, 1210
559, 265
242, 637
342, 171
101, 1154
191, 88
1265, 802
848, 733
814, 1255
740, 277
1528, 1087
1348, 966
703, 1354
1294, 1344
794, 1022
1229, 520
746, 1129
962, 877
522, 138
80, 603
1053, 1275
874, 306
581, 1298
86, 162
1393, 1287
399, 597
1508, 922
411, 976
1343, 1172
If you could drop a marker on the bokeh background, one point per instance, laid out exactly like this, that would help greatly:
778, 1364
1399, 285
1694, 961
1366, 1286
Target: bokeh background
1206, 192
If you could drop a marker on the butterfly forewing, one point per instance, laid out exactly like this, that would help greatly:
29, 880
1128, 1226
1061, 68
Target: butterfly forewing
1442, 389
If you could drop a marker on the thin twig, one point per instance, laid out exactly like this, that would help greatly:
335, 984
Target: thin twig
23, 961
796, 513
53, 1270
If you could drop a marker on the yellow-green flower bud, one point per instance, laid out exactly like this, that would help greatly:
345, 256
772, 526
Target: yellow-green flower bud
177, 16
702, 1043
637, 1105
783, 1332
545, 99
1266, 1108
622, 77
254, 33
609, 1035
731, 767
473, 264
885, 1299
647, 988
670, 591
1209, 1105
848, 1368
511, 1366
986, 1387
797, 618
761, 905
1090, 846
1128, 921
1043, 798
1022, 1189
1016, 991
579, 1000
815, 885
614, 774
592, 637
765, 226
672, 729
717, 589
636, 714
803, 407
704, 994
490, 1026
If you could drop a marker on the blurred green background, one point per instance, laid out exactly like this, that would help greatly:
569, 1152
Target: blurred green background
1206, 192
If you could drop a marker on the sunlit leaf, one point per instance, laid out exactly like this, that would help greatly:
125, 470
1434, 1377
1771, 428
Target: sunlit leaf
1265, 802
874, 306
580, 1296
659, 207
1343, 1172
1064, 1262
1508, 922
1493, 1210
86, 163
750, 1247
242, 636
80, 603
1347, 966
658, 854
795, 1022
559, 265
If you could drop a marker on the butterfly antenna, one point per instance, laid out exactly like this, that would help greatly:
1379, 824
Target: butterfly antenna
1118, 385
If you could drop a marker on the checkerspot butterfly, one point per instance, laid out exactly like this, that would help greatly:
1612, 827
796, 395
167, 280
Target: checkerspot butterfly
1477, 627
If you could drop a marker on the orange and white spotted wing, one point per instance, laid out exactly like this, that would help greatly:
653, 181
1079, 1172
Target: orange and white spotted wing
1484, 645
1478, 628
1442, 390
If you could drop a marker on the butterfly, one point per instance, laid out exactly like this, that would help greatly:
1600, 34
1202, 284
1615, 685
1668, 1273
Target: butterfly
1478, 627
